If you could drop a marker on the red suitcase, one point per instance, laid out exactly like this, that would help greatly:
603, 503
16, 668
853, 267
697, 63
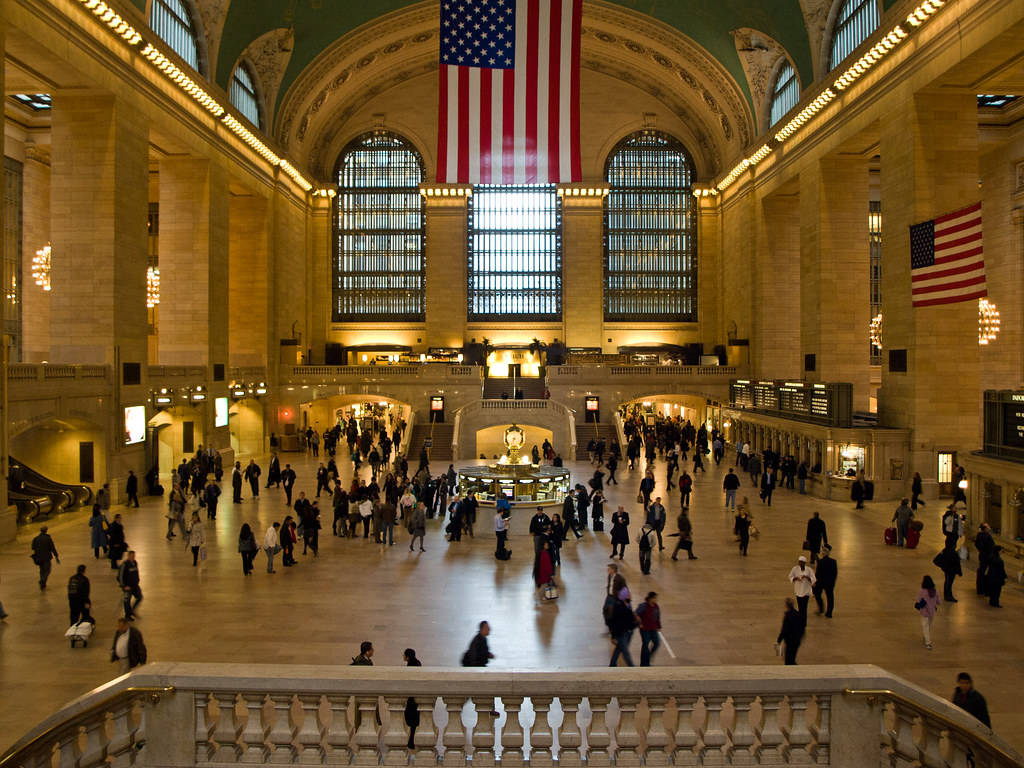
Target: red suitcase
912, 538
890, 536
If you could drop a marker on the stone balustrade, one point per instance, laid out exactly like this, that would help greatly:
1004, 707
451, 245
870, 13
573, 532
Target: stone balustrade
317, 374
47, 372
213, 715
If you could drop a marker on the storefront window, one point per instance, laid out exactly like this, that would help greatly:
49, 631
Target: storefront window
851, 457
945, 469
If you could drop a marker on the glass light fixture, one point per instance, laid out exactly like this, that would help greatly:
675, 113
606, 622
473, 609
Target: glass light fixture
152, 287
41, 267
988, 321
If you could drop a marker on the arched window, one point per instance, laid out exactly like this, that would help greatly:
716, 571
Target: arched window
650, 231
243, 94
379, 232
172, 21
855, 22
785, 95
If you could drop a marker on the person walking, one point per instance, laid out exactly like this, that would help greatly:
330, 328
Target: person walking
985, 545
801, 476
815, 537
646, 488
916, 489
742, 528
791, 634
649, 618
730, 485
247, 548
417, 525
129, 580
479, 652
611, 465
902, 517
768, 485
803, 580
948, 561
78, 595
927, 604
685, 486
131, 489
288, 539
754, 468
176, 510
539, 524
103, 498
623, 623
98, 531
211, 496
656, 519
543, 569
236, 483
952, 527
272, 545
412, 713
858, 491
288, 481
44, 552
685, 535
995, 577
116, 545
501, 534
196, 537
128, 650
365, 657
825, 576
620, 532
252, 474
970, 700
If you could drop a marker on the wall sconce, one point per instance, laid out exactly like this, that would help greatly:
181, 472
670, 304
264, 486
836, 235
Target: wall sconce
41, 267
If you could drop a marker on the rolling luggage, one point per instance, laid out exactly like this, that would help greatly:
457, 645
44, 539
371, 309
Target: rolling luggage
912, 538
80, 633
890, 536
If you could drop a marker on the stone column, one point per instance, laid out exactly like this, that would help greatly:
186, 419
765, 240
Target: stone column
709, 270
929, 167
35, 233
194, 229
776, 303
582, 270
247, 281
319, 308
835, 273
446, 271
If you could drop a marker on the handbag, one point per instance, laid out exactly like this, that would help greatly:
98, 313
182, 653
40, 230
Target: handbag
920, 604
202, 553
806, 545
551, 591
639, 498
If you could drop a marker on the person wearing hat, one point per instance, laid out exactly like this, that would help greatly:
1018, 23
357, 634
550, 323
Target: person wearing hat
803, 580
649, 618
825, 576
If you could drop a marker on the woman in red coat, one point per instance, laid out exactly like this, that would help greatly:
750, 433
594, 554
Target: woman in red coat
543, 570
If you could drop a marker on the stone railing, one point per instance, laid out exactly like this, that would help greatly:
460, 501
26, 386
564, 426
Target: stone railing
47, 372
489, 405
218, 715
431, 371
197, 372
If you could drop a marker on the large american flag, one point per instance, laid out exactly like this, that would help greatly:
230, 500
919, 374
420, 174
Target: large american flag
946, 261
509, 92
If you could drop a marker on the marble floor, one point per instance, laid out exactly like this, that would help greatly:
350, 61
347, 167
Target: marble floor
720, 609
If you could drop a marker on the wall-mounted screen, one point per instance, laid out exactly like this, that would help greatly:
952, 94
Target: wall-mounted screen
134, 424
220, 412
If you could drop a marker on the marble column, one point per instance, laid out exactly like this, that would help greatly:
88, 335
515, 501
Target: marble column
446, 271
583, 270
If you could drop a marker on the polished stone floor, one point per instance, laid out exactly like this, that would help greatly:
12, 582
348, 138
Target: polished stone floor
720, 609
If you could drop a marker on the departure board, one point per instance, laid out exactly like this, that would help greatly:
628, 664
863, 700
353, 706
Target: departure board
830, 404
1004, 424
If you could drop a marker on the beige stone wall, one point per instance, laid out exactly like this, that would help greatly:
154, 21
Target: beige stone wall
35, 233
247, 280
778, 279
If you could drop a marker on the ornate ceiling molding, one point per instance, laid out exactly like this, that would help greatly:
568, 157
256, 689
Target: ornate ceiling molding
816, 13
269, 55
759, 54
213, 14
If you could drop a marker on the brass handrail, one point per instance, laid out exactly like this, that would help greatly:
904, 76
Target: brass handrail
946, 720
103, 703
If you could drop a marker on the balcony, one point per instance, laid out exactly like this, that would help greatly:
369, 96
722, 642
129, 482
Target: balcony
424, 373
215, 715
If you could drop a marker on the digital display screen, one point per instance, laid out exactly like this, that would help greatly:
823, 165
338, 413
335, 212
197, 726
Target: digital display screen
592, 403
134, 424
220, 412
437, 403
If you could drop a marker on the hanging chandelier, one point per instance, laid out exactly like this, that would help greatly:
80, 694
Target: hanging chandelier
988, 321
152, 287
876, 331
41, 267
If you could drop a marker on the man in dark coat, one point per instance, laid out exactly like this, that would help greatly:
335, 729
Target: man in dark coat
43, 553
985, 545
236, 483
115, 542
78, 594
792, 632
211, 494
825, 576
365, 657
968, 699
288, 481
479, 653
768, 483
131, 489
539, 525
995, 577
816, 536
949, 561
127, 648
252, 474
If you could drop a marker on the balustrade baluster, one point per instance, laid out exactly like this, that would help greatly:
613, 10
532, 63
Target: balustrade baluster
512, 734
657, 735
570, 737
713, 735
366, 738
121, 749
228, 730
627, 737
685, 736
454, 736
599, 738
483, 731
282, 732
541, 735
254, 735
204, 729
741, 735
797, 734
821, 729
396, 740
929, 748
904, 748
339, 733
425, 740
310, 735
95, 752
68, 750
769, 751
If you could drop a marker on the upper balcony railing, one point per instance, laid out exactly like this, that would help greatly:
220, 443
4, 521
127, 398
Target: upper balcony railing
218, 715
318, 374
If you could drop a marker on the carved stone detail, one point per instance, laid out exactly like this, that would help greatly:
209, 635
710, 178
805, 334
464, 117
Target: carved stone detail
759, 54
213, 13
269, 55
815, 18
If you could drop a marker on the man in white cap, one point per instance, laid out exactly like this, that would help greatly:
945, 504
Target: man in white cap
803, 583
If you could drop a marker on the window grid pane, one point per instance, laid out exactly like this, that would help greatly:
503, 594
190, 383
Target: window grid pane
243, 95
514, 269
856, 21
875, 240
650, 248
379, 266
171, 21
786, 94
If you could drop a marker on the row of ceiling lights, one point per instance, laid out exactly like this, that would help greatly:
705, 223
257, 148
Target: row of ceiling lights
172, 72
876, 53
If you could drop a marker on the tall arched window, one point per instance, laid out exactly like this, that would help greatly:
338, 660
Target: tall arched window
785, 95
855, 22
243, 94
172, 21
379, 232
650, 231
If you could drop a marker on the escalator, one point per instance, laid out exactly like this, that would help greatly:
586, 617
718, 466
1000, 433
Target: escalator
38, 496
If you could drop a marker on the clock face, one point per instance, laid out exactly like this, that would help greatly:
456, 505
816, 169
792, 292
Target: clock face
514, 437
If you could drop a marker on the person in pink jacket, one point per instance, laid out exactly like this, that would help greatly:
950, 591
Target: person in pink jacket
927, 604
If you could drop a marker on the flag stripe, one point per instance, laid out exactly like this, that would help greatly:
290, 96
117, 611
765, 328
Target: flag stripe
953, 298
462, 175
442, 128
948, 285
554, 91
974, 223
962, 270
508, 150
486, 114
531, 95
519, 143
473, 132
976, 208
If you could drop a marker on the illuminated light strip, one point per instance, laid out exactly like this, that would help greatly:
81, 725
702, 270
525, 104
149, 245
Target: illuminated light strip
805, 114
296, 176
924, 11
582, 191
872, 57
183, 81
251, 139
112, 19
446, 191
325, 192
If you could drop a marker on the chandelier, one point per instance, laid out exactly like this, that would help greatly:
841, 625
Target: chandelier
876, 331
41, 267
988, 321
152, 287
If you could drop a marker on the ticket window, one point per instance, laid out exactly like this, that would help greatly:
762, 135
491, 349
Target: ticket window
944, 473
851, 459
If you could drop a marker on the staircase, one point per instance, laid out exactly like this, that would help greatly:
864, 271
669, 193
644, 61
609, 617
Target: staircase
532, 389
439, 452
584, 432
